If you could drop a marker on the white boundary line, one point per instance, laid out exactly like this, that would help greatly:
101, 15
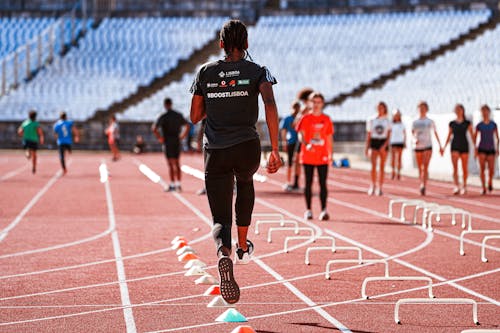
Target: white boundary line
13, 173
31, 203
120, 268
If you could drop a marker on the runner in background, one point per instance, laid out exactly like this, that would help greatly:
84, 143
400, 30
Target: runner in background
170, 128
226, 92
488, 147
32, 135
290, 140
457, 132
398, 143
113, 134
316, 135
422, 130
65, 131
378, 131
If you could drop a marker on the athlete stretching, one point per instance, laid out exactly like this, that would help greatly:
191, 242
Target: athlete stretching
226, 93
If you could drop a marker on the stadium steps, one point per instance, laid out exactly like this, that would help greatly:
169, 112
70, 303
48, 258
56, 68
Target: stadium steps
185, 66
421, 60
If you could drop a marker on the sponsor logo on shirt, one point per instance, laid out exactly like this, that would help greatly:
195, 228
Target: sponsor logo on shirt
223, 84
238, 93
232, 83
243, 82
212, 85
223, 74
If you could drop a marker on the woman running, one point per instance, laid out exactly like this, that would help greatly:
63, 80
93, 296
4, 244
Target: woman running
378, 131
486, 151
398, 143
457, 132
113, 134
422, 129
316, 135
226, 92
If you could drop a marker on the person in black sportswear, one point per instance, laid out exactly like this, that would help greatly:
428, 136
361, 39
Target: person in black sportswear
174, 129
226, 93
459, 147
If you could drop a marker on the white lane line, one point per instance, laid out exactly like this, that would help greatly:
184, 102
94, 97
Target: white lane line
31, 203
198, 174
120, 268
13, 173
302, 296
437, 231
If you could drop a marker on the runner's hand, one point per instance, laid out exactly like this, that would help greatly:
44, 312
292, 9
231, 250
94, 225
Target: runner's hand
273, 162
161, 140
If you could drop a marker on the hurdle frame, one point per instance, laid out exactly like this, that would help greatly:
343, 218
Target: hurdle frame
281, 223
396, 278
476, 232
404, 203
483, 246
436, 301
290, 238
358, 262
448, 210
295, 230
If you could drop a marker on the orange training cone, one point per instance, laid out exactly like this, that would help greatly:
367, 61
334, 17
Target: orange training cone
187, 256
179, 245
243, 329
212, 291
177, 239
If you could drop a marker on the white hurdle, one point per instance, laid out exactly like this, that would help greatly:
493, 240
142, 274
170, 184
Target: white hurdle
481, 330
281, 223
483, 246
447, 210
436, 301
396, 278
295, 230
354, 261
320, 248
290, 238
404, 203
268, 216
466, 232
424, 206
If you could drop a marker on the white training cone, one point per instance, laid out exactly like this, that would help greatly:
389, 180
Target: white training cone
185, 249
206, 279
195, 262
195, 271
219, 302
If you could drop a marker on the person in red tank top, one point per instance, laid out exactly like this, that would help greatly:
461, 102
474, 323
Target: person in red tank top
316, 135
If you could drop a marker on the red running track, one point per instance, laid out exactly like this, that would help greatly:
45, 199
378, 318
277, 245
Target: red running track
80, 255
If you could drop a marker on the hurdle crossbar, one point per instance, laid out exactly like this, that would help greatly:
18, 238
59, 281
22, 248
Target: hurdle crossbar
436, 301
396, 278
281, 223
483, 246
466, 232
295, 230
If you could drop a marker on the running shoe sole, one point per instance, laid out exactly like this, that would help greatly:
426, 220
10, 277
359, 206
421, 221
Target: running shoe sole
229, 289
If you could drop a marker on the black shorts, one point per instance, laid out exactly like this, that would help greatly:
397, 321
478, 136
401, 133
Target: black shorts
291, 150
376, 144
65, 146
28, 144
397, 145
460, 150
487, 152
172, 149
421, 150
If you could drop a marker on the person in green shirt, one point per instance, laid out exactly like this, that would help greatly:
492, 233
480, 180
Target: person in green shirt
32, 135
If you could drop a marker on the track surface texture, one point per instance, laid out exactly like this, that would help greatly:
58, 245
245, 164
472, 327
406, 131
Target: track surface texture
81, 255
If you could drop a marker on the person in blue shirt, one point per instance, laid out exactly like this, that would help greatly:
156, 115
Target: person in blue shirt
289, 140
65, 131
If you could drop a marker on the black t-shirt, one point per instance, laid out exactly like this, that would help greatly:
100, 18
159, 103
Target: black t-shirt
459, 130
230, 91
170, 124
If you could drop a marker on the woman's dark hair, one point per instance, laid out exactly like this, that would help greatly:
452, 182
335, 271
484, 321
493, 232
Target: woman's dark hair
63, 115
304, 93
423, 103
461, 107
382, 104
485, 107
32, 115
234, 34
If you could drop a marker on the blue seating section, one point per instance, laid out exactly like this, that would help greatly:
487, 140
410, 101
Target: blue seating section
110, 63
15, 32
333, 53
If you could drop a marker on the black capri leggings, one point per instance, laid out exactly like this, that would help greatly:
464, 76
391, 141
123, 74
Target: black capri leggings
222, 166
322, 175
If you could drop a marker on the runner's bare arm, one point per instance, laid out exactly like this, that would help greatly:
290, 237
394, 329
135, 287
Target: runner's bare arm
40, 135
76, 134
197, 109
184, 132
266, 90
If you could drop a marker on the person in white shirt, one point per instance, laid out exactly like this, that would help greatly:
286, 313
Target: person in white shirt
422, 129
377, 145
398, 143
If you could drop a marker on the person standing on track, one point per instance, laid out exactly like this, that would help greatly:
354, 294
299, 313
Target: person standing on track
316, 135
378, 131
486, 151
422, 129
65, 130
174, 128
226, 93
289, 138
458, 130
113, 134
32, 135
398, 143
